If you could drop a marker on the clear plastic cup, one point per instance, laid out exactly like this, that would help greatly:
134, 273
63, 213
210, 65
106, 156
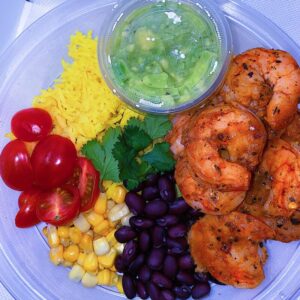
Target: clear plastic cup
149, 93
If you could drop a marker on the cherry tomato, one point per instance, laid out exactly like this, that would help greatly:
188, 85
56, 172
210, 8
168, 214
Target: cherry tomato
15, 166
86, 177
26, 216
31, 124
58, 206
53, 161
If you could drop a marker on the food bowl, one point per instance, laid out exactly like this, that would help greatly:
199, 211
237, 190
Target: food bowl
165, 56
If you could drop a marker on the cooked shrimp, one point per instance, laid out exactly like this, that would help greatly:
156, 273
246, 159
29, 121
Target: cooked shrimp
203, 197
282, 164
267, 82
174, 138
292, 133
236, 134
228, 248
286, 229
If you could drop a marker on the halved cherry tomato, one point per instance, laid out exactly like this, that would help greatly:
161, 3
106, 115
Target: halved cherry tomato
31, 124
26, 216
58, 206
86, 177
15, 166
53, 161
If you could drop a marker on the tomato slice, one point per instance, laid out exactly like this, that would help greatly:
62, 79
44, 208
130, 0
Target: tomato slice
26, 216
15, 166
58, 206
53, 161
31, 124
86, 178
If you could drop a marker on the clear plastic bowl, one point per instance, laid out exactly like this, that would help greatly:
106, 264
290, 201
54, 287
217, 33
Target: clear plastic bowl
31, 64
132, 13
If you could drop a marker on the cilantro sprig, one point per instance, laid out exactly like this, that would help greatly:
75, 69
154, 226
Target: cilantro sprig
131, 154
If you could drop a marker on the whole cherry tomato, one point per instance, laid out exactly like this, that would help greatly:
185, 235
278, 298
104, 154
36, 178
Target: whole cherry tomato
53, 161
86, 178
26, 216
58, 206
15, 166
31, 124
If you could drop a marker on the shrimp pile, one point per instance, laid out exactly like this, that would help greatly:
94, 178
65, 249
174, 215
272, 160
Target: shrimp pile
238, 161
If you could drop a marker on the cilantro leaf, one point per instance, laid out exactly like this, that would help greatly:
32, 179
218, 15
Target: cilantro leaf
135, 122
157, 126
160, 157
137, 138
101, 155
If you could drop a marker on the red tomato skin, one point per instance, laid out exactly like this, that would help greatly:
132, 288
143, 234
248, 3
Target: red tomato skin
31, 124
53, 161
15, 166
88, 172
26, 216
58, 206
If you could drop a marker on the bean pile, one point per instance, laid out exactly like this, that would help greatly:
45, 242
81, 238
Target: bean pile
156, 261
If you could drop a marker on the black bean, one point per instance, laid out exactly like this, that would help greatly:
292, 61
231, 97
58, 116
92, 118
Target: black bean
156, 208
166, 189
195, 214
120, 265
201, 277
182, 292
167, 221
185, 278
155, 258
167, 295
170, 267
177, 231
178, 207
144, 274
186, 262
158, 237
136, 264
200, 290
125, 234
129, 286
153, 291
141, 290
152, 179
150, 192
130, 252
161, 280
135, 203
140, 223
144, 241
177, 246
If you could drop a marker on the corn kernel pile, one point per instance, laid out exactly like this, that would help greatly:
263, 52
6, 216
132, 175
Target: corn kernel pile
88, 245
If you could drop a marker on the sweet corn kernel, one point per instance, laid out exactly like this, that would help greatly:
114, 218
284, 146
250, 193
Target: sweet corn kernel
108, 259
106, 184
81, 223
101, 204
101, 246
89, 280
86, 243
125, 219
71, 253
104, 277
76, 273
110, 204
105, 232
63, 232
56, 255
90, 233
75, 235
113, 279
118, 193
100, 228
65, 242
81, 258
119, 285
118, 212
113, 224
119, 247
67, 264
111, 237
93, 218
45, 231
53, 238
91, 262
113, 268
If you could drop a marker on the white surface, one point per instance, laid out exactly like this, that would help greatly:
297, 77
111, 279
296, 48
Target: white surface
285, 13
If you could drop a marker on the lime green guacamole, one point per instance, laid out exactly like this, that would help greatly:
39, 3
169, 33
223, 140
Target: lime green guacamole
164, 54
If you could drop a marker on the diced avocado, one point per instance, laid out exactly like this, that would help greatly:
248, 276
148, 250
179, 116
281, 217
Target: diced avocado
121, 70
159, 81
168, 100
145, 39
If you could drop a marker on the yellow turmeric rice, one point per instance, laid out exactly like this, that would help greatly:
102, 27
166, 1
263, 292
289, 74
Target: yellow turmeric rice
80, 103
